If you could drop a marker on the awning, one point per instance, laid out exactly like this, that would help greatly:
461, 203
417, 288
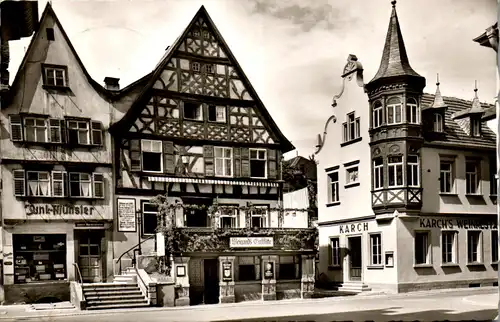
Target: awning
211, 181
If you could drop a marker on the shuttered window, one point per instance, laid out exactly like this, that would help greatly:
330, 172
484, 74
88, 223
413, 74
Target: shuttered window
208, 158
135, 155
16, 128
258, 163
19, 183
152, 157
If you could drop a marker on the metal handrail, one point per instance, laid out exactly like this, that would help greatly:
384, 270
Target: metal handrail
79, 273
131, 248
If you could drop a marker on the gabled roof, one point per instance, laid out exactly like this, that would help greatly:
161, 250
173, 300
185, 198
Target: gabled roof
489, 38
49, 11
394, 58
137, 106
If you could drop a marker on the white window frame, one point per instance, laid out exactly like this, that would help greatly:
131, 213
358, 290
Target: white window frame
348, 173
55, 125
438, 124
71, 127
258, 159
34, 127
220, 113
453, 250
427, 246
335, 255
222, 159
412, 111
199, 111
333, 187
394, 107
196, 67
89, 181
148, 213
375, 249
469, 176
378, 172
494, 246
150, 144
410, 171
447, 174
478, 251
53, 71
38, 183
256, 214
351, 128
395, 166
61, 182
224, 213
378, 115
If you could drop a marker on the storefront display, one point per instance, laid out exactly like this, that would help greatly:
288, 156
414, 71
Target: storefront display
39, 257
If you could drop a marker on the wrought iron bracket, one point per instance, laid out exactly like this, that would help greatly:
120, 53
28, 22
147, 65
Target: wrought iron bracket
353, 67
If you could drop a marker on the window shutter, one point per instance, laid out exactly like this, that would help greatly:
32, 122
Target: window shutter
97, 133
16, 128
168, 157
245, 162
64, 133
19, 183
135, 155
237, 162
208, 158
98, 182
272, 168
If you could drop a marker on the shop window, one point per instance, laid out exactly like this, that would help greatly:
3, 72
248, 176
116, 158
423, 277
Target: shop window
39, 257
223, 162
378, 173
228, 216
289, 267
474, 246
216, 113
375, 249
258, 163
150, 214
152, 157
258, 216
395, 171
35, 129
193, 111
471, 177
422, 248
449, 247
413, 171
333, 185
249, 268
446, 177
494, 246
335, 251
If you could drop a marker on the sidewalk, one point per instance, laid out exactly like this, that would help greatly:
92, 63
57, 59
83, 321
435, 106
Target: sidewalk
484, 296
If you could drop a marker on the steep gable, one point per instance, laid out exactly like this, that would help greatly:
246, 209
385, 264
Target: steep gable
199, 67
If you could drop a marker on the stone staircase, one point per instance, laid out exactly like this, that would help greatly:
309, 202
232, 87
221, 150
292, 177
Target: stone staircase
123, 292
354, 287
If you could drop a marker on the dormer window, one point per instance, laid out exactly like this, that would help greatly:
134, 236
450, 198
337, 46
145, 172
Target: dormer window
412, 111
54, 75
394, 111
438, 125
475, 126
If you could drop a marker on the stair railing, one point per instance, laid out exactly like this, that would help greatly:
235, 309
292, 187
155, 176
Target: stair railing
134, 259
80, 277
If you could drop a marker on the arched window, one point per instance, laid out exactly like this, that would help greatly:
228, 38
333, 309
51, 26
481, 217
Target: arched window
378, 115
394, 111
438, 122
412, 111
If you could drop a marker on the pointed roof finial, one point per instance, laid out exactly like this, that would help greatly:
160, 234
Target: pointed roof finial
438, 98
475, 88
393, 2
437, 80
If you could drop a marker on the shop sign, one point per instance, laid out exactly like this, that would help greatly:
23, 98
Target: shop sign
126, 215
89, 225
353, 228
457, 223
242, 242
227, 271
58, 209
269, 270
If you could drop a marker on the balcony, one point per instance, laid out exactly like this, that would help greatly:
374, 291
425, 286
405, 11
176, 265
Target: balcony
410, 197
185, 240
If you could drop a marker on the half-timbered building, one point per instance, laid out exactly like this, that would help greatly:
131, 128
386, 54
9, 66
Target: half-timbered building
56, 168
198, 133
407, 189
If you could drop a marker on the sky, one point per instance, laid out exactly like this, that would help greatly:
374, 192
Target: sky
292, 51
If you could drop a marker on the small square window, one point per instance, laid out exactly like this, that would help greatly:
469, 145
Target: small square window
352, 175
196, 67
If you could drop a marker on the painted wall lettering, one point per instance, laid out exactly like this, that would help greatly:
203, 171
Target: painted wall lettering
49, 209
457, 223
436, 223
353, 228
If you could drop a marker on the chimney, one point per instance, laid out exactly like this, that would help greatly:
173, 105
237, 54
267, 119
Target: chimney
112, 83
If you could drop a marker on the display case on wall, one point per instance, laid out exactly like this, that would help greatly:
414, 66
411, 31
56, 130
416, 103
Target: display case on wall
39, 258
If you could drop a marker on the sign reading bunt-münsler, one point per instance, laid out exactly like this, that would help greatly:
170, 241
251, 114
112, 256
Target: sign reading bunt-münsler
126, 215
250, 242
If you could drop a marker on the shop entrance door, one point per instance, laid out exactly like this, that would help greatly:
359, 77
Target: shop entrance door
90, 255
211, 279
355, 260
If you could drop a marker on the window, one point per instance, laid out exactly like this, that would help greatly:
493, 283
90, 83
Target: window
50, 33
228, 216
493, 176
449, 247
412, 112
152, 159
334, 187
351, 128
289, 268
209, 68
248, 268
494, 246
16, 127
38, 183
422, 248
335, 251
55, 76
446, 178
196, 32
58, 183
475, 126
216, 113
438, 125
206, 35
378, 173
193, 111
223, 162
395, 168
471, 177
98, 181
19, 183
149, 218
97, 133
474, 246
35, 129
378, 115
80, 185
412, 171
55, 130
258, 163
352, 175
78, 132
394, 111
258, 216
195, 67
376, 249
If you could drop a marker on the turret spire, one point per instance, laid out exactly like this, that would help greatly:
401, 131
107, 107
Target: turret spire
438, 99
476, 105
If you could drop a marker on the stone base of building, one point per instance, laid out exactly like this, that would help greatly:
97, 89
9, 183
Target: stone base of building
183, 301
227, 299
35, 292
411, 287
269, 297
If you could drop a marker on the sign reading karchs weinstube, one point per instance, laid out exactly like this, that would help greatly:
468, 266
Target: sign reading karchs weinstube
251, 242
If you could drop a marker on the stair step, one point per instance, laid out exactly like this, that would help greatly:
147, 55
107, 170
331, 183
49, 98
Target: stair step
116, 301
98, 297
121, 289
115, 293
106, 285
117, 306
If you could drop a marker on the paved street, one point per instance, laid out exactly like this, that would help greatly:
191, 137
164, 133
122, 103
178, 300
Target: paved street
457, 305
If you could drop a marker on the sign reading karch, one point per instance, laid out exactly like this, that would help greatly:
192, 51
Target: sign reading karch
243, 242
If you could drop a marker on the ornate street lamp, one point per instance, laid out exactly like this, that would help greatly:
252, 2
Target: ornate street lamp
353, 67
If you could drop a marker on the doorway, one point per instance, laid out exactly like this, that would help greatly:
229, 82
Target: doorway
90, 254
355, 258
211, 281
